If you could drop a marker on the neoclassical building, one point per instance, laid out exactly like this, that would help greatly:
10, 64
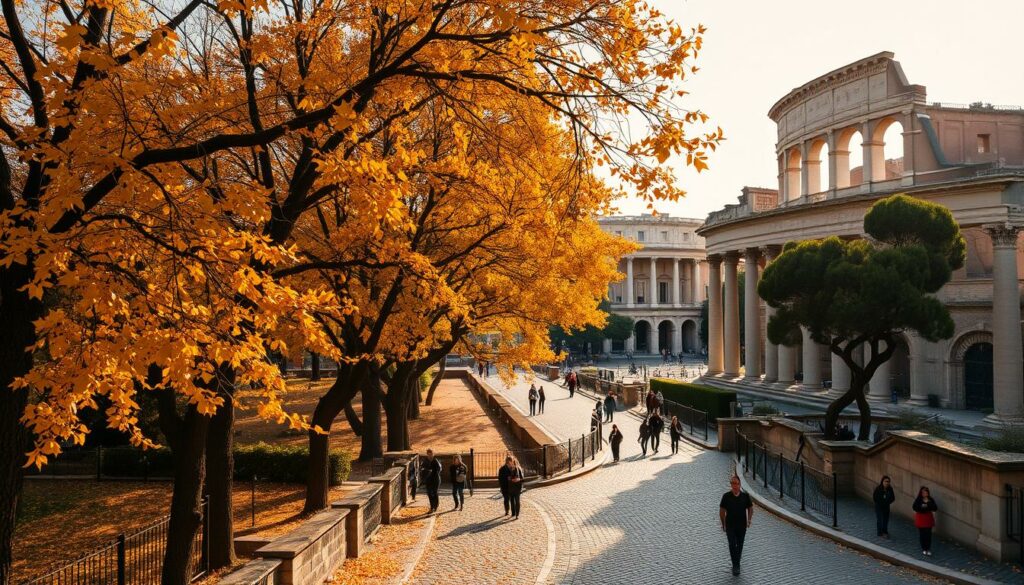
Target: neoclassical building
969, 158
664, 286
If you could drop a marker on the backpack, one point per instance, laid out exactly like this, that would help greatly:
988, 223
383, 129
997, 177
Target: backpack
460, 475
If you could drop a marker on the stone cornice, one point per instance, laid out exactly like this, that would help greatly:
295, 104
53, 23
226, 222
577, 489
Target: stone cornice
868, 66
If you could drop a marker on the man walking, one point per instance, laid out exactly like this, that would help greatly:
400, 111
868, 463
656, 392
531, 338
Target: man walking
432, 479
533, 400
609, 407
657, 425
540, 398
735, 512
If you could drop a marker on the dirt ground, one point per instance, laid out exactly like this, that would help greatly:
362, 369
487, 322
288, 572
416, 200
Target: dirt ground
454, 422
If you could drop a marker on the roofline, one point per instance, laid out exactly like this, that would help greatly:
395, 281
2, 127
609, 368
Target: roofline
773, 112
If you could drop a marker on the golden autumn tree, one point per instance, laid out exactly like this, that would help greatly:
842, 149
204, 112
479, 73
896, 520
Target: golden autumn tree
158, 156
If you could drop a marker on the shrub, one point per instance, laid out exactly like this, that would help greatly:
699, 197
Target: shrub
279, 463
1008, 439
711, 400
764, 410
286, 463
924, 423
131, 462
425, 379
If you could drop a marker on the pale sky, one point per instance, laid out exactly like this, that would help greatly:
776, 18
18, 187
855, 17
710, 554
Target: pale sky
755, 51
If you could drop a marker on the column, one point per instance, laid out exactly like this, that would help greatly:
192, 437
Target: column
731, 313
677, 335
630, 299
631, 343
841, 376
697, 293
752, 317
832, 160
810, 170
676, 301
771, 351
879, 387
715, 349
654, 282
812, 363
872, 155
787, 365
606, 346
919, 385
1007, 366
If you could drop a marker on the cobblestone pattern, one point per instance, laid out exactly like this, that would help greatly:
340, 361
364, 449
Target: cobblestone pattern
654, 520
857, 518
480, 546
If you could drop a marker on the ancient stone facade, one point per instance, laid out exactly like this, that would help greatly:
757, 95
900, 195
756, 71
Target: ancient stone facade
969, 158
665, 283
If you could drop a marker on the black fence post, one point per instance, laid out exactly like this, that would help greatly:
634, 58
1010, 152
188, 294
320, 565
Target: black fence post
569, 451
835, 502
472, 470
252, 497
746, 455
781, 467
204, 557
99, 462
737, 436
544, 460
765, 457
754, 450
705, 426
120, 560
803, 496
583, 450
593, 445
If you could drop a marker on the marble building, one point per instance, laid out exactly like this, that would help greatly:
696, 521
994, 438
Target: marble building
969, 158
665, 283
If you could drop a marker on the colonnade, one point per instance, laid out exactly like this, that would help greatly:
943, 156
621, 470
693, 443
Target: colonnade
800, 164
681, 267
778, 366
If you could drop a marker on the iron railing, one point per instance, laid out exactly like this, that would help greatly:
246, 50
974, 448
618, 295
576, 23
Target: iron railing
813, 488
1015, 519
547, 461
694, 422
135, 557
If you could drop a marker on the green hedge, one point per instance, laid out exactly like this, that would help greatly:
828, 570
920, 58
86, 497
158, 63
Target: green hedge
278, 463
711, 400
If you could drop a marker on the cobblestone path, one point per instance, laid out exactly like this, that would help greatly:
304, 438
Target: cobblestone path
648, 521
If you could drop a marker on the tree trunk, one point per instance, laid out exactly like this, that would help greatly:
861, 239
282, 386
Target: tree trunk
835, 409
282, 364
865, 414
327, 408
413, 396
186, 500
371, 444
17, 312
219, 481
441, 367
398, 429
314, 367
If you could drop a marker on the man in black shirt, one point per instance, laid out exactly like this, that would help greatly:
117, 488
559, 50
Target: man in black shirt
432, 479
735, 511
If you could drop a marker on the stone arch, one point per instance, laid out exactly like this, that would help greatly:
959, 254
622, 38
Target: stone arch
847, 156
887, 149
666, 333
958, 350
642, 329
691, 341
817, 166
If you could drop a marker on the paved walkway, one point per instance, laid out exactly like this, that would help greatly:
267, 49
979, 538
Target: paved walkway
650, 520
857, 518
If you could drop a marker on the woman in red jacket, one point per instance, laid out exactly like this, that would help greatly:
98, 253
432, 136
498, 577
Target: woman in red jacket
924, 518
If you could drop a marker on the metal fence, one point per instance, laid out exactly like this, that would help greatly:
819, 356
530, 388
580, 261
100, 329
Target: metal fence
695, 422
135, 557
547, 461
813, 488
1015, 518
110, 463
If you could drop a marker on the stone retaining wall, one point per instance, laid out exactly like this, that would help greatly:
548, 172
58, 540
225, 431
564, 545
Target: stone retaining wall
312, 552
392, 486
258, 572
629, 394
363, 519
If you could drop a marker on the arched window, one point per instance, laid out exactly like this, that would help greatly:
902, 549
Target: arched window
849, 158
817, 166
887, 150
793, 164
